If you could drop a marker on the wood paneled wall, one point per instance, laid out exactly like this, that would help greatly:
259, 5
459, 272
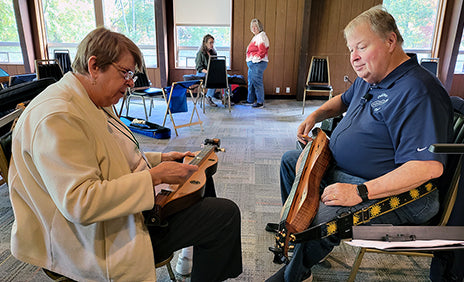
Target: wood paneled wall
289, 51
13, 69
328, 19
282, 22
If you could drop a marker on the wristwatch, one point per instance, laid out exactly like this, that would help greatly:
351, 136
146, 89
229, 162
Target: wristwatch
362, 192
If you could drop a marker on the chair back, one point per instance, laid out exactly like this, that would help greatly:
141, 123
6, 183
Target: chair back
142, 82
430, 64
449, 182
216, 78
22, 93
62, 55
319, 71
21, 78
48, 68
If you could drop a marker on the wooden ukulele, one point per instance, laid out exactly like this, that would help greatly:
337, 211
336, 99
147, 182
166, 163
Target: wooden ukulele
303, 201
172, 198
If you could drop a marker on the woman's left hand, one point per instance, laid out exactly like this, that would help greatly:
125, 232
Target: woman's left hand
174, 156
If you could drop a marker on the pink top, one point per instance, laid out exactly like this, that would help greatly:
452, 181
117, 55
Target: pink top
258, 48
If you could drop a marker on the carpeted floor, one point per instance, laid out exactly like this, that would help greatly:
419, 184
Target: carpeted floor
248, 173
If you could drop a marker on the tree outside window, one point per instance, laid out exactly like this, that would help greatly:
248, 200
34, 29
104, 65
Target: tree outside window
10, 49
416, 21
65, 25
136, 20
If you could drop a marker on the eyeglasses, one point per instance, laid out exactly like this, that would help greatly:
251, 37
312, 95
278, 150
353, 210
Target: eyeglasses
128, 74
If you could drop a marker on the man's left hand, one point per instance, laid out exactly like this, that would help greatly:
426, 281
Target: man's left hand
341, 194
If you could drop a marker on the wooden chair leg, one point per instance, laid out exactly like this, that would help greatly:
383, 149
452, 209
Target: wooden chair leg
356, 264
167, 262
171, 273
304, 100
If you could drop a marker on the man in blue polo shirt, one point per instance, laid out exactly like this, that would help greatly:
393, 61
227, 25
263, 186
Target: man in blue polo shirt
393, 112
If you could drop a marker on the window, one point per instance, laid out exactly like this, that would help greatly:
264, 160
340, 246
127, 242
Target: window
195, 19
136, 20
9, 40
459, 67
416, 20
66, 26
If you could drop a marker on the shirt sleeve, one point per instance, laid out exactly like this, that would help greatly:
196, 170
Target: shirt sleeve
419, 122
65, 154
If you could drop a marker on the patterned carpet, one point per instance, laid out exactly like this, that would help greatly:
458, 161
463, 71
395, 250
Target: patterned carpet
248, 173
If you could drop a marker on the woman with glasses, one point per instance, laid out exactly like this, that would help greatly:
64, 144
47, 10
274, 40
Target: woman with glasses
79, 182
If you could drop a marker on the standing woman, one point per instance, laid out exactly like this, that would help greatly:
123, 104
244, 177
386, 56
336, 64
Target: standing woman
257, 59
201, 63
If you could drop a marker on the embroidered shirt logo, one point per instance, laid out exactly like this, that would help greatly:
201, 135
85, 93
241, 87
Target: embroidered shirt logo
381, 99
421, 149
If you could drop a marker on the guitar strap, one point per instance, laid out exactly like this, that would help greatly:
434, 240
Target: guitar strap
344, 222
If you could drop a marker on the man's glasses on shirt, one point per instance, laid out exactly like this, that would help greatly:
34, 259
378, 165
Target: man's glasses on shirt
128, 74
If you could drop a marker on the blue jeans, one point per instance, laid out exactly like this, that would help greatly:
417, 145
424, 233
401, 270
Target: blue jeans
255, 82
309, 253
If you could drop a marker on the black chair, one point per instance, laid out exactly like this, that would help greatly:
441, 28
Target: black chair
216, 78
21, 78
62, 55
143, 90
22, 93
430, 64
48, 68
448, 188
318, 78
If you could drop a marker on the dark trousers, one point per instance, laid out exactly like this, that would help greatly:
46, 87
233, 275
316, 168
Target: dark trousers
212, 227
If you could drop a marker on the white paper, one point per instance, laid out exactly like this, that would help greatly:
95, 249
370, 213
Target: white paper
383, 245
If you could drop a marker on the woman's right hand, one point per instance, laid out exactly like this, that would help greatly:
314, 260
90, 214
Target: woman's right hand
171, 172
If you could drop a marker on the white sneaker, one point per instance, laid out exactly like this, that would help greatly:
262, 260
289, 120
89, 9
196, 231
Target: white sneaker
184, 265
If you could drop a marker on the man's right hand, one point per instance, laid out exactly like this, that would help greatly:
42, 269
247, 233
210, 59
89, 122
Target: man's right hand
304, 129
171, 172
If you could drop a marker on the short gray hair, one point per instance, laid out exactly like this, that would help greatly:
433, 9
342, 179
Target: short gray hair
380, 21
108, 47
257, 23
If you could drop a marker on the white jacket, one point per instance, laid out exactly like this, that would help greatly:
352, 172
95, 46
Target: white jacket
77, 205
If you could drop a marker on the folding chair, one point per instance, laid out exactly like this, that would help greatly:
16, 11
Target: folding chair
178, 92
62, 55
318, 78
216, 78
430, 64
143, 90
48, 68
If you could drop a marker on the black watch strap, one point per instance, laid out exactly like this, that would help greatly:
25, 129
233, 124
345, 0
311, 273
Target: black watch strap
362, 192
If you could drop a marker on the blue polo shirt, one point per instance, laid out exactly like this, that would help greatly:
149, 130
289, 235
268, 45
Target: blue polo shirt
392, 122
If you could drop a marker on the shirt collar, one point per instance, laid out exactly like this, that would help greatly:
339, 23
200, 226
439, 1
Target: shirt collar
396, 73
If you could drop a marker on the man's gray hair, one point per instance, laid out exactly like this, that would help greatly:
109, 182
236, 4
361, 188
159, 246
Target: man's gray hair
380, 21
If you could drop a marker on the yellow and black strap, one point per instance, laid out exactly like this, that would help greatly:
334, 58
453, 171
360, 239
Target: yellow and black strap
343, 223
